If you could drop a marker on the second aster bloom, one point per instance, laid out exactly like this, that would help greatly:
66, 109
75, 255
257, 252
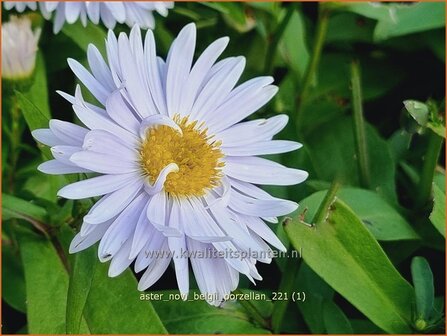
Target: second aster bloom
177, 166
108, 12
19, 47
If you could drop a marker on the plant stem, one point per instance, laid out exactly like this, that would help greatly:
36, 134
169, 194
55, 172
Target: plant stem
359, 125
428, 169
309, 75
271, 52
253, 311
16, 135
291, 268
321, 214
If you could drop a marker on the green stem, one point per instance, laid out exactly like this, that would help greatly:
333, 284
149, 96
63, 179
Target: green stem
271, 51
252, 310
291, 269
16, 135
359, 125
323, 209
309, 75
428, 169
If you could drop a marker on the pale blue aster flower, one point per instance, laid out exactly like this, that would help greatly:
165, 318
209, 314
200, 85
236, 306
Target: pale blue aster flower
175, 165
108, 12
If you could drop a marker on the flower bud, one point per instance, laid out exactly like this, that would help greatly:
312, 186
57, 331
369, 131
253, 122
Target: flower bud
19, 47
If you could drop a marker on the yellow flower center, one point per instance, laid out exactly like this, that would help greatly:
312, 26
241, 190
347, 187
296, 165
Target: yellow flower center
197, 157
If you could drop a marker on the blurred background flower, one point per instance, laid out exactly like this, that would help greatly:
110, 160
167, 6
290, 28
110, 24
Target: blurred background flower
19, 47
108, 12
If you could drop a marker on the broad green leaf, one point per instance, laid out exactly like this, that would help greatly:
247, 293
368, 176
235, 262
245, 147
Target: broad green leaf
333, 79
332, 153
400, 19
114, 306
437, 216
293, 47
423, 288
13, 279
34, 117
44, 186
14, 207
317, 292
349, 27
376, 11
83, 36
198, 317
380, 218
335, 320
38, 92
349, 259
78, 288
46, 285
411, 19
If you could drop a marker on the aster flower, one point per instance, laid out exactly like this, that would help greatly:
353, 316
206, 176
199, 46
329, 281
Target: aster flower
19, 47
109, 12
176, 166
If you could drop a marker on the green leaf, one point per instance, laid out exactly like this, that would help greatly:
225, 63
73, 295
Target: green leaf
335, 320
349, 27
317, 292
44, 186
13, 279
38, 92
410, 19
380, 218
78, 288
114, 306
83, 36
330, 158
400, 19
46, 284
437, 216
423, 288
198, 317
437, 127
349, 259
14, 207
34, 117
293, 47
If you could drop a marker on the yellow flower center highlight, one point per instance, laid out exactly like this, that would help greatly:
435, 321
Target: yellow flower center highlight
197, 157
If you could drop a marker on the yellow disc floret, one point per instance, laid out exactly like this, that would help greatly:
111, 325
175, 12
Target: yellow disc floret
194, 152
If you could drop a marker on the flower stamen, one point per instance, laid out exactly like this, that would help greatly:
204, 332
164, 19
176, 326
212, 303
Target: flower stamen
193, 151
